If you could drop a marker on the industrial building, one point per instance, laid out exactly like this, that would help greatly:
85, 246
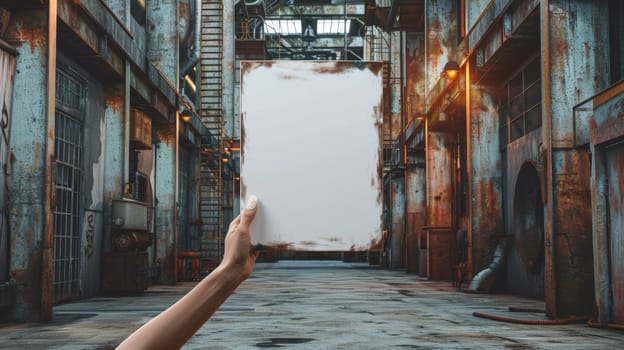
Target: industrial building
121, 140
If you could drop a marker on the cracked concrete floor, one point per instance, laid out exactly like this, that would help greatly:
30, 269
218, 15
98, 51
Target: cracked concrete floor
318, 305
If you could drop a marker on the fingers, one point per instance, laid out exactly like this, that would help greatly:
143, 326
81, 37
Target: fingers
234, 223
249, 213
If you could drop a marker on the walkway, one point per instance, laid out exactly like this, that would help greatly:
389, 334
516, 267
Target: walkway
318, 305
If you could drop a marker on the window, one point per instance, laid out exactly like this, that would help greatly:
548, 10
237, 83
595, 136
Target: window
282, 27
520, 104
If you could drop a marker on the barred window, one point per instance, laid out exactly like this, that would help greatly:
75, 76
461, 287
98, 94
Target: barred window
520, 104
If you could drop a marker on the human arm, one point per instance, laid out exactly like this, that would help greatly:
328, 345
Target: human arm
174, 326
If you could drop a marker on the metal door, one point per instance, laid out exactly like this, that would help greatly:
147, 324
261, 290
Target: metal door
7, 70
70, 97
615, 174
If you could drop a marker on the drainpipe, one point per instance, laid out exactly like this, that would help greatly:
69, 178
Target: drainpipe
229, 65
549, 224
47, 269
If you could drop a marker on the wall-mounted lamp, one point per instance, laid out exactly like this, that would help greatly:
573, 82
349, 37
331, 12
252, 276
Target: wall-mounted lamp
451, 69
186, 115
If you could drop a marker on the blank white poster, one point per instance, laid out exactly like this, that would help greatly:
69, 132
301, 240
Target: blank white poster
311, 153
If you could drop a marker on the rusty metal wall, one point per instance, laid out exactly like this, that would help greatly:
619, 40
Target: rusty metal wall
485, 194
440, 39
163, 51
439, 183
28, 33
615, 174
577, 47
605, 121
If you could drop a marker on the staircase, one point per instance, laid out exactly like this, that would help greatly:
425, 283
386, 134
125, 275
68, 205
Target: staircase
211, 112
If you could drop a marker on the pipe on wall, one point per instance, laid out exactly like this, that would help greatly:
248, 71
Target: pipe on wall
47, 270
486, 275
549, 223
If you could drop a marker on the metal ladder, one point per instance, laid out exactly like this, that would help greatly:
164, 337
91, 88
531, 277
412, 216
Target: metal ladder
211, 112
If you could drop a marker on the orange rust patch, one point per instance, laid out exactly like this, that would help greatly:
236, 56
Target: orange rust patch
34, 32
166, 134
336, 68
115, 102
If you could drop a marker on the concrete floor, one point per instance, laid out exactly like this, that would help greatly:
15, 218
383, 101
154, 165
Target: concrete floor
318, 305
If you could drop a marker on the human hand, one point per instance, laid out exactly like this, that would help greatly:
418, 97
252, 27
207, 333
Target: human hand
239, 256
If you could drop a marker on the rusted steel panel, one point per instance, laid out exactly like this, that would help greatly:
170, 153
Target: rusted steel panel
416, 208
29, 34
474, 9
485, 196
414, 99
439, 184
114, 150
578, 36
493, 12
341, 205
574, 260
615, 175
117, 30
440, 35
162, 39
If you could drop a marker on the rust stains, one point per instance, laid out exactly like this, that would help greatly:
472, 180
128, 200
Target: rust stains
375, 68
165, 134
115, 102
337, 68
31, 30
32, 294
252, 65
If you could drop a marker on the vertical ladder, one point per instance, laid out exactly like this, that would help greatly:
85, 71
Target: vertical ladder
211, 112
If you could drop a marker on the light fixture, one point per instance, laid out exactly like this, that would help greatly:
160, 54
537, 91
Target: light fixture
237, 178
225, 160
451, 69
186, 115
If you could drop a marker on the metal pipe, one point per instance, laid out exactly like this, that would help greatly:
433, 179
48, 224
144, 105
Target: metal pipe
228, 64
495, 266
562, 321
126, 131
549, 220
47, 268
253, 3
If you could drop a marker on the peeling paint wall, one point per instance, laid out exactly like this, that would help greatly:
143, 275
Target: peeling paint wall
28, 33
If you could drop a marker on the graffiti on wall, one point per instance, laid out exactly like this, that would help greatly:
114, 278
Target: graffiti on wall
89, 247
